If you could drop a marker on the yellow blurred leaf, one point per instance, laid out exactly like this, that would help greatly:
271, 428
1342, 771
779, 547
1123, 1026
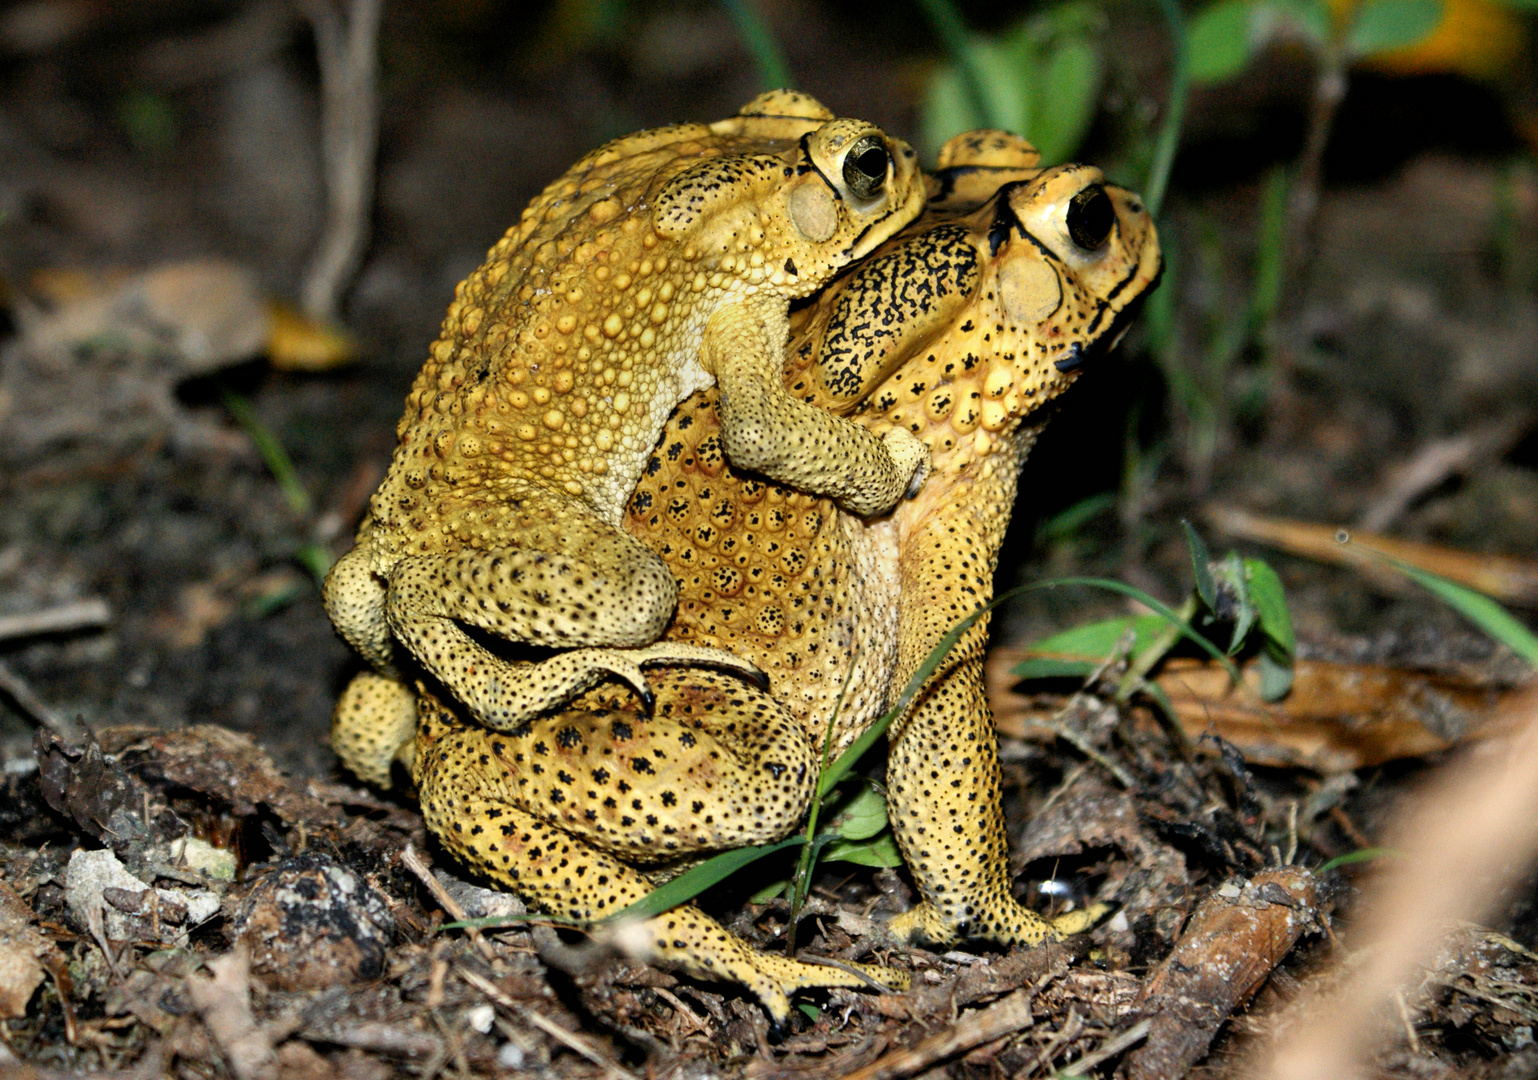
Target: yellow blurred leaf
296, 343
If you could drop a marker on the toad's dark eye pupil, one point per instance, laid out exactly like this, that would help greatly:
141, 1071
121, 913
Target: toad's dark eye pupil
1091, 217
865, 166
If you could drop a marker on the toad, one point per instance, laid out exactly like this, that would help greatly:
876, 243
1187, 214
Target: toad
660, 264
961, 331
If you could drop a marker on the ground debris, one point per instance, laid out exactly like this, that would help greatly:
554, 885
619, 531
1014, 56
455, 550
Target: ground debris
1236, 936
310, 922
22, 948
224, 1002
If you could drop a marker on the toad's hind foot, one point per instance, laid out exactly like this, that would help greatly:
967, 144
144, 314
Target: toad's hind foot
1018, 925
688, 940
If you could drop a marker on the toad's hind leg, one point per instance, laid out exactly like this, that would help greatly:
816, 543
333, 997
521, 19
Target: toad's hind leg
491, 804
574, 582
944, 785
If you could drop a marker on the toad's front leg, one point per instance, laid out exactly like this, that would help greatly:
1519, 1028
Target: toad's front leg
944, 786
766, 430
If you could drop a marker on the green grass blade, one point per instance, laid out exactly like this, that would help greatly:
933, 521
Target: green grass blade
697, 879
1174, 109
773, 72
1478, 609
1359, 856
273, 455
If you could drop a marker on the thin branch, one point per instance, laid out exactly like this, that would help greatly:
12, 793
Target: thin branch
1003, 1017
81, 615
348, 52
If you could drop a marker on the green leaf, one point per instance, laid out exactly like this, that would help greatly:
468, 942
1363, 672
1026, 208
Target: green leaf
810, 1011
769, 892
697, 879
880, 852
1067, 95
947, 107
1219, 40
1046, 668
1201, 565
1385, 25
1090, 644
1275, 676
1479, 610
1270, 605
862, 816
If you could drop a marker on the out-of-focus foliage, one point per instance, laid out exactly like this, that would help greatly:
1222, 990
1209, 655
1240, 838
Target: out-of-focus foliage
1480, 38
1041, 78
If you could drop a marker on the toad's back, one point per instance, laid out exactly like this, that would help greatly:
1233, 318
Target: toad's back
561, 356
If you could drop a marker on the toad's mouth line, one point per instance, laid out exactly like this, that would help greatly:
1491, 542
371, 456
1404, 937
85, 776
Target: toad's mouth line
1082, 353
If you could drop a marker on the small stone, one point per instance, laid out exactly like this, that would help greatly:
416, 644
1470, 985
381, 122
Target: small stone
312, 923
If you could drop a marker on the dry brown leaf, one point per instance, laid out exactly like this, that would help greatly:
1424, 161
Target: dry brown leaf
22, 946
1337, 717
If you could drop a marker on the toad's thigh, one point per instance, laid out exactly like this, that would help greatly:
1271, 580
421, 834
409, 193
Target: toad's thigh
717, 764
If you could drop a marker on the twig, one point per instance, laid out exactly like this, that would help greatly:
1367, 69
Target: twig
544, 1023
849, 969
17, 689
379, 1037
348, 52
81, 615
1136, 1033
1003, 1017
1438, 460
694, 1019
413, 862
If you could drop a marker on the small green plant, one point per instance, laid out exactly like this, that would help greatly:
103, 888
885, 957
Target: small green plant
1243, 594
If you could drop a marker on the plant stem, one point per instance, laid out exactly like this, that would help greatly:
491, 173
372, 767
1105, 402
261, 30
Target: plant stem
801, 881
773, 72
1174, 110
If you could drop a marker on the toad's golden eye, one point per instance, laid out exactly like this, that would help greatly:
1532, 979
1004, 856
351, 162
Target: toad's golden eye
1090, 218
865, 166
